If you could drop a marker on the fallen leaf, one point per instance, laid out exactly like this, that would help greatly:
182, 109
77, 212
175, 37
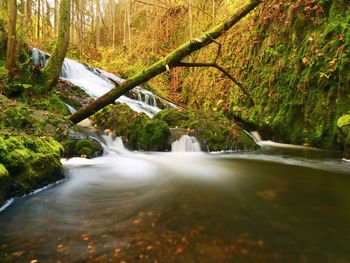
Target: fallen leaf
17, 253
85, 237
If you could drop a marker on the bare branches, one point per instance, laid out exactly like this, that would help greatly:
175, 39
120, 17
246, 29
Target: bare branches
215, 65
225, 72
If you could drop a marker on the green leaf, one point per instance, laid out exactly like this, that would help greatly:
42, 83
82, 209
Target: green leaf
26, 86
344, 120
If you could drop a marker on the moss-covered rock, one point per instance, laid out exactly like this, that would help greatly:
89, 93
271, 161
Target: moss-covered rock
213, 130
72, 95
343, 124
5, 182
138, 131
31, 162
154, 136
19, 117
88, 148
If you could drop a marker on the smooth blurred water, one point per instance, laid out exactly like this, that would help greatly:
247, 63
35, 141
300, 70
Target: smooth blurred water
96, 82
273, 205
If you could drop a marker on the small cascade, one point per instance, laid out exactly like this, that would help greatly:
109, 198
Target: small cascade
112, 144
70, 108
257, 138
96, 82
39, 57
146, 96
186, 144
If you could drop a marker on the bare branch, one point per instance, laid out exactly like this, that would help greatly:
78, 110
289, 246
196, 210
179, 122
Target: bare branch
219, 48
225, 72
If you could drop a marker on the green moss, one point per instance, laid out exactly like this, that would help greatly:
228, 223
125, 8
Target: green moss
213, 130
31, 162
19, 117
4, 183
51, 103
297, 74
154, 136
122, 121
138, 131
88, 147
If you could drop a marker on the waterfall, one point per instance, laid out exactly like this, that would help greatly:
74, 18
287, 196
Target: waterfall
96, 82
113, 145
186, 144
268, 143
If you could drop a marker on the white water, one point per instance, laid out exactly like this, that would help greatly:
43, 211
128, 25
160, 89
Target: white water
186, 143
95, 83
268, 143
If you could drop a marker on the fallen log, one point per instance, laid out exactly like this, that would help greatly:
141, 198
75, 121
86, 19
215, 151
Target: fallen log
173, 59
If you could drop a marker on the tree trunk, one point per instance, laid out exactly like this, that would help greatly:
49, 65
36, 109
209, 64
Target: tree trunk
38, 22
28, 12
11, 51
53, 68
98, 24
171, 60
55, 18
128, 5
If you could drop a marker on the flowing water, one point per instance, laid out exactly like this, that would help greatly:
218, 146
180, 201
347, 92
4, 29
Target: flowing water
277, 204
272, 205
96, 82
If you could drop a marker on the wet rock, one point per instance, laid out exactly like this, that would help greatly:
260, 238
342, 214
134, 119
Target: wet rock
72, 95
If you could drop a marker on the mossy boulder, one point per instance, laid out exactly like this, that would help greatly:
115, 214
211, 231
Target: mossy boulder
27, 163
213, 130
5, 182
154, 136
19, 117
343, 124
138, 131
88, 148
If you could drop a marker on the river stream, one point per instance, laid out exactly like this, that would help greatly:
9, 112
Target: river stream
279, 204
272, 205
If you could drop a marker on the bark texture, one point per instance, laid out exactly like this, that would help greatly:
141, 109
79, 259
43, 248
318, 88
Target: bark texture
11, 51
53, 68
173, 59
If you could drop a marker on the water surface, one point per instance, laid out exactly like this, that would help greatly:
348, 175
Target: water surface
274, 205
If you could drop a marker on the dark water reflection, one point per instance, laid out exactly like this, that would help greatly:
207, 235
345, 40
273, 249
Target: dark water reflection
269, 206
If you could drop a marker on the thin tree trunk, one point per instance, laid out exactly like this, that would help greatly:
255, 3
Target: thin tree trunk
113, 24
171, 60
125, 22
98, 24
43, 20
71, 23
11, 51
38, 22
129, 23
190, 17
28, 12
53, 68
56, 18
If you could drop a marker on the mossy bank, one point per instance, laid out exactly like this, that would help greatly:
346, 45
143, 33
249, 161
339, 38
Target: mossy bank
213, 130
33, 140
